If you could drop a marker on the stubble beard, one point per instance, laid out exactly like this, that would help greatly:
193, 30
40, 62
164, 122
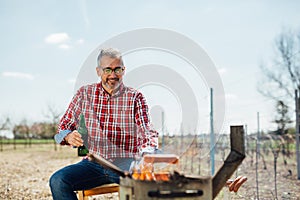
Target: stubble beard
115, 85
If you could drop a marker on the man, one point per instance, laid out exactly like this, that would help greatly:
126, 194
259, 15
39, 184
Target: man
118, 126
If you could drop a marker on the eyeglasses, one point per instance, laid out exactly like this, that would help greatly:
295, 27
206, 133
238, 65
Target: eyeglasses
117, 70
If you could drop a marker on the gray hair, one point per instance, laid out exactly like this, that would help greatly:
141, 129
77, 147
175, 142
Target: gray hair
112, 53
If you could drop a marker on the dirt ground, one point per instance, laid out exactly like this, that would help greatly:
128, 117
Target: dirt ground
25, 173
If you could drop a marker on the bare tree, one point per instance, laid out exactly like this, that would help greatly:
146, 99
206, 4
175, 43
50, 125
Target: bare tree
53, 114
5, 124
282, 119
282, 77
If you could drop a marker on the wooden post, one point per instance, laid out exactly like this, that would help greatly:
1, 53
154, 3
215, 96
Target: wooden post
55, 147
1, 144
234, 159
15, 143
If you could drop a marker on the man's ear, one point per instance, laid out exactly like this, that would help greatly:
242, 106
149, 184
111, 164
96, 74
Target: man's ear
98, 70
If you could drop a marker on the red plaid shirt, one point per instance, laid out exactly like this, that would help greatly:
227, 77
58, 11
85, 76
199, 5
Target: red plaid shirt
118, 125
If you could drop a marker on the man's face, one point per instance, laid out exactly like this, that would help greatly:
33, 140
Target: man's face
111, 72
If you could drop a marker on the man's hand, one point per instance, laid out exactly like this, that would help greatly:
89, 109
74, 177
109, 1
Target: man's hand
234, 185
74, 139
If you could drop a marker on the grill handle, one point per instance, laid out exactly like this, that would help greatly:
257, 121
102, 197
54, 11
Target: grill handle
108, 165
168, 194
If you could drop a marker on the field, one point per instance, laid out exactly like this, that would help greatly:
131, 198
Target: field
25, 172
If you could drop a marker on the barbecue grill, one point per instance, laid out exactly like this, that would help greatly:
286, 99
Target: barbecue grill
176, 186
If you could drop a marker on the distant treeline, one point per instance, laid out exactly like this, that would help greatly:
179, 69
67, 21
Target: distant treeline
38, 130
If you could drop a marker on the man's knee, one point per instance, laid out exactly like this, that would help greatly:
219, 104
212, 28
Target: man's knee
60, 187
57, 180
54, 180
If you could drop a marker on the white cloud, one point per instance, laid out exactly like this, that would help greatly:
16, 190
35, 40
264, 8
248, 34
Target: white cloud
57, 38
63, 40
18, 75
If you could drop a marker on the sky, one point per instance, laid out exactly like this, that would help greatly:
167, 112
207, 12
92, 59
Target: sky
45, 43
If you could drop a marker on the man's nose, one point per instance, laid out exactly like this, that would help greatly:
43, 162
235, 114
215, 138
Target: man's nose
113, 74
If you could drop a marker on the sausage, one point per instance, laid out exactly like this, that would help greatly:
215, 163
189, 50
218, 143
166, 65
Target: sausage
239, 183
235, 184
232, 185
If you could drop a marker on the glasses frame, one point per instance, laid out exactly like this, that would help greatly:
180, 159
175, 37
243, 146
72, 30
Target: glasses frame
109, 70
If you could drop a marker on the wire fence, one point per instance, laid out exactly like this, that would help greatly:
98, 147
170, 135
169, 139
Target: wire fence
15, 144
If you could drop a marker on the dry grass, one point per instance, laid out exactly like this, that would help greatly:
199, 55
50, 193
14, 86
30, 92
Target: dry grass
25, 173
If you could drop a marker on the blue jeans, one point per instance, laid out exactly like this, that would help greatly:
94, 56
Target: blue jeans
83, 175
